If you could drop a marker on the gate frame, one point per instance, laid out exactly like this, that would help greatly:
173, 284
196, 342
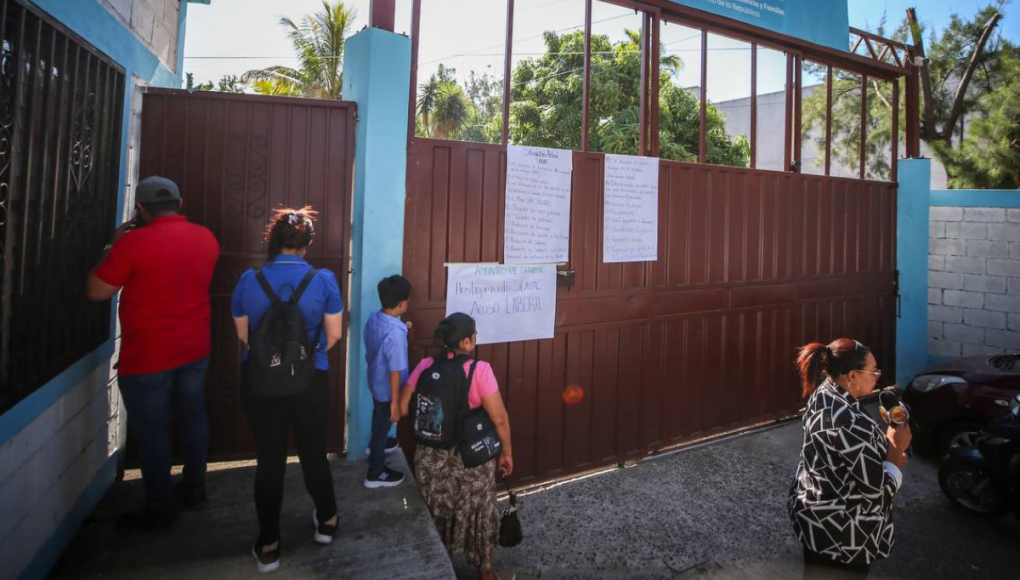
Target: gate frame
343, 277
656, 12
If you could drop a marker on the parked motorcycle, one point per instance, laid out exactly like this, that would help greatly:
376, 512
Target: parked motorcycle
984, 478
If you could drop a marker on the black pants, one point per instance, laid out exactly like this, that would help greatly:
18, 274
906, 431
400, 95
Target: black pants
819, 566
271, 419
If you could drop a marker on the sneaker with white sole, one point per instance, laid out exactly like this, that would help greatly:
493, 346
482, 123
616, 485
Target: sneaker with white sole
267, 561
391, 445
323, 532
386, 478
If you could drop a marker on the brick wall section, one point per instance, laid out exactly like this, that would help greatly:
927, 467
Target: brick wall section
45, 468
154, 22
974, 281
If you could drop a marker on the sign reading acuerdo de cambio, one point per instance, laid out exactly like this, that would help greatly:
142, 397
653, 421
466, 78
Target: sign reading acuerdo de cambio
824, 22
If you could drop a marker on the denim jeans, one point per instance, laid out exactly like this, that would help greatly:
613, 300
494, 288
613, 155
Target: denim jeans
150, 401
380, 431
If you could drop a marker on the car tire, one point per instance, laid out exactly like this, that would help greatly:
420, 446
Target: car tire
956, 481
955, 433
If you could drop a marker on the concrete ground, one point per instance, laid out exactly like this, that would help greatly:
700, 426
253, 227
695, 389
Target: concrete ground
384, 533
716, 511
719, 511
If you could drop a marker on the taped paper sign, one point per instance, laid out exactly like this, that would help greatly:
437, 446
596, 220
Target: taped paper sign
631, 223
537, 218
508, 302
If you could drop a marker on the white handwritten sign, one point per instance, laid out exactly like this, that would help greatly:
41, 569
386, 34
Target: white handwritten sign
631, 222
508, 302
537, 218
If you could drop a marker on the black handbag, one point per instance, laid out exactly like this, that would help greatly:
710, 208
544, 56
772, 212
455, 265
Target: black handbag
510, 533
478, 442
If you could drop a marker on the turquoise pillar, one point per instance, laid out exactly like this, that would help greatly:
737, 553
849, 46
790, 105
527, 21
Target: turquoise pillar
377, 73
912, 213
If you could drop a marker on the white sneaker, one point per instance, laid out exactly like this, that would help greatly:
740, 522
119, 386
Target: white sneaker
386, 478
268, 561
323, 532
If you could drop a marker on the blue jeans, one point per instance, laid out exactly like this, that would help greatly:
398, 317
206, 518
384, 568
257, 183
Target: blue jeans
380, 430
150, 400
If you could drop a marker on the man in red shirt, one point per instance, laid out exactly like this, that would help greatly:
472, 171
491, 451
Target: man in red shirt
165, 266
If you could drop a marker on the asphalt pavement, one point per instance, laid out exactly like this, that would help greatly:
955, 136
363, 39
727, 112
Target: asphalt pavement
719, 511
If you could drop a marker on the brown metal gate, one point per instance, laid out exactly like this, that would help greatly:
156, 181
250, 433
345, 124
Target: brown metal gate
235, 157
751, 265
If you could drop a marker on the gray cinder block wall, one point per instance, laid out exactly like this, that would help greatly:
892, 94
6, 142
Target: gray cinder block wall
973, 281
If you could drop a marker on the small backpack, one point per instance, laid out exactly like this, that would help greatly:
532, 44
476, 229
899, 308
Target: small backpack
281, 356
438, 401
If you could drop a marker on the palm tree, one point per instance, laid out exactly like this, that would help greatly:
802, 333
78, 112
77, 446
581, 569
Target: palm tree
318, 40
451, 110
276, 87
443, 107
427, 96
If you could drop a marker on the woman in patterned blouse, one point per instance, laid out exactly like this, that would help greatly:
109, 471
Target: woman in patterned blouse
841, 500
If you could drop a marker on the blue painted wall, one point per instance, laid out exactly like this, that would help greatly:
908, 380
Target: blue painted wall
94, 24
976, 198
377, 72
912, 215
825, 22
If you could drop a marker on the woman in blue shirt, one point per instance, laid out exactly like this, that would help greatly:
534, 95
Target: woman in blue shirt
288, 235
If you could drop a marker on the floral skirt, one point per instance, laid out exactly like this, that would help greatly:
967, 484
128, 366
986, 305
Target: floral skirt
462, 502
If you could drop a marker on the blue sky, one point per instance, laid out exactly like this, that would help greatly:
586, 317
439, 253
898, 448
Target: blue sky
244, 34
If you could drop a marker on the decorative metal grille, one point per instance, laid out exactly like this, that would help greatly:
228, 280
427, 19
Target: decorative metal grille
61, 105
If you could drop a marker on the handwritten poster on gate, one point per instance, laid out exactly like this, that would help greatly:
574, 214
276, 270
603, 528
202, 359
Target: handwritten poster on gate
631, 216
508, 302
537, 218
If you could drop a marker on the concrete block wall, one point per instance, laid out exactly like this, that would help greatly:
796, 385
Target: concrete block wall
156, 23
973, 280
48, 466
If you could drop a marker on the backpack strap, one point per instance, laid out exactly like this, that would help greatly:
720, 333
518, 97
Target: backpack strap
265, 286
466, 408
465, 405
303, 285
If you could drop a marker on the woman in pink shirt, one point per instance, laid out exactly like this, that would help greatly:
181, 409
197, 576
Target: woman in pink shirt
462, 500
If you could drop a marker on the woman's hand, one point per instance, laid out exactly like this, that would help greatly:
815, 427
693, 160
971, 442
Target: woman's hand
896, 458
506, 464
899, 437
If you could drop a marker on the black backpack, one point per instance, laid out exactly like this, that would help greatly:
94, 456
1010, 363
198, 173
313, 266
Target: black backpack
281, 356
437, 404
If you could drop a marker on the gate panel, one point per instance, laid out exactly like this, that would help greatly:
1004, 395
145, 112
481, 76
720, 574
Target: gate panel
235, 158
751, 265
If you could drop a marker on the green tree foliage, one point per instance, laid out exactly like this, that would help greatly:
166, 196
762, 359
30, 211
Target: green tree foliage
967, 158
318, 40
989, 156
546, 103
442, 106
226, 84
846, 122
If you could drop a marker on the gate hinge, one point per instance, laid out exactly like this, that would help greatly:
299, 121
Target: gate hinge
896, 289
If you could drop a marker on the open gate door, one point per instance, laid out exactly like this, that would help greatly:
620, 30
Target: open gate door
235, 157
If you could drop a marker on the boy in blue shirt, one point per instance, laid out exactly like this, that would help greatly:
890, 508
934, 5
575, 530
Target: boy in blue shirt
386, 354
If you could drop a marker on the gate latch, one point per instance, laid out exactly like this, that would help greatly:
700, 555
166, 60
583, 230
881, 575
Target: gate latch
565, 278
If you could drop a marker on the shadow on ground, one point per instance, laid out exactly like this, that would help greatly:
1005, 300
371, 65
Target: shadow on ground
384, 533
716, 511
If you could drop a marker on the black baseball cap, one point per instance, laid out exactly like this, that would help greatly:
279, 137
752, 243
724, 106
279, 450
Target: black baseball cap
156, 189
